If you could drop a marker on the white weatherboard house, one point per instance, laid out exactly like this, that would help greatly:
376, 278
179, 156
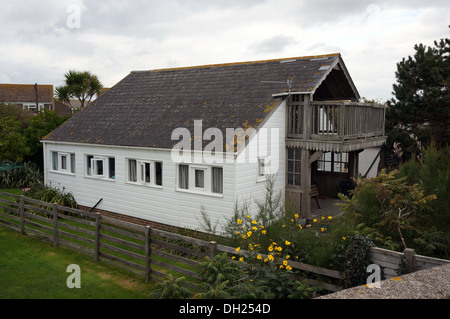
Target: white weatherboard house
162, 144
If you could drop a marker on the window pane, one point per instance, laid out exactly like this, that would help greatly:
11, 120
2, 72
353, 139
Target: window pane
183, 176
72, 163
199, 178
297, 179
147, 172
132, 174
64, 162
158, 172
217, 180
112, 167
55, 161
89, 165
99, 167
260, 167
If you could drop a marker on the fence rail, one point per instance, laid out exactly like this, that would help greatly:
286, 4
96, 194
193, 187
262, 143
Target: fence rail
151, 252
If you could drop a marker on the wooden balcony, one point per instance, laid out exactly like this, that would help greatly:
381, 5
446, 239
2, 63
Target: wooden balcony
334, 126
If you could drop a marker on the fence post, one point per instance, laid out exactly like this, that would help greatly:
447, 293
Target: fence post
148, 251
97, 236
212, 249
55, 225
410, 260
22, 214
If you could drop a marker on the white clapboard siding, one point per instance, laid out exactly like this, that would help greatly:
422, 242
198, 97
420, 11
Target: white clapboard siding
165, 205
248, 186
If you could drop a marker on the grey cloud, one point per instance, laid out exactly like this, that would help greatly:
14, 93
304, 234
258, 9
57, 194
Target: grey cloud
272, 45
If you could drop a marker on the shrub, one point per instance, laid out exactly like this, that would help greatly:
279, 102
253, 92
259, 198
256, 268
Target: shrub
51, 195
21, 177
357, 260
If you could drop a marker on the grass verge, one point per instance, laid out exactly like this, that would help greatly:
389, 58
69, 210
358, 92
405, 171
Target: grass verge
33, 269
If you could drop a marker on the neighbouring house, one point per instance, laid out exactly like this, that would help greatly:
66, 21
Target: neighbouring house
162, 145
34, 97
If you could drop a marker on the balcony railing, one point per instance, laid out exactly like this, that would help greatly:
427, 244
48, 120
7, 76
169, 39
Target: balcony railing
335, 121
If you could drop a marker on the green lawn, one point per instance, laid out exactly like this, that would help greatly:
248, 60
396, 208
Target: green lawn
31, 268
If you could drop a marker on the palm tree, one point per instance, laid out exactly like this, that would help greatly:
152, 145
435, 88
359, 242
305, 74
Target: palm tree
82, 86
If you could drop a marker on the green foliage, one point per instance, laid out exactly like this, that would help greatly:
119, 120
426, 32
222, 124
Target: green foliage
397, 209
21, 132
172, 288
51, 195
358, 258
422, 99
40, 125
22, 177
82, 86
13, 146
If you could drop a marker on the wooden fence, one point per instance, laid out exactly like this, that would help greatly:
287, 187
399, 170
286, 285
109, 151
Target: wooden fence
396, 264
143, 250
150, 252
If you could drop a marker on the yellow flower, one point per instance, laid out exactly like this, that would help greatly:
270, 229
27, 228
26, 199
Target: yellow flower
241, 259
322, 229
259, 257
296, 216
330, 218
266, 260
254, 222
249, 233
264, 232
287, 243
279, 248
288, 267
288, 256
261, 226
283, 225
281, 266
248, 216
238, 232
255, 228
270, 257
239, 221
300, 226
322, 218
270, 248
244, 236
315, 220
285, 262
343, 238
237, 249
233, 257
292, 220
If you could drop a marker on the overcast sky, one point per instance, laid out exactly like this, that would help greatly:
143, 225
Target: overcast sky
41, 40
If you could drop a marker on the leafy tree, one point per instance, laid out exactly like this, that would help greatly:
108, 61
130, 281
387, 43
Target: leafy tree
12, 142
82, 86
422, 100
40, 125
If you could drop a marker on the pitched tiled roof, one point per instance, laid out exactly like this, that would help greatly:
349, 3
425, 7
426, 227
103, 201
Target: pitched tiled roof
146, 106
10, 93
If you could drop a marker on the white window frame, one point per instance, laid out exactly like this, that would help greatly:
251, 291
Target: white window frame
69, 169
93, 164
207, 188
141, 166
261, 167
